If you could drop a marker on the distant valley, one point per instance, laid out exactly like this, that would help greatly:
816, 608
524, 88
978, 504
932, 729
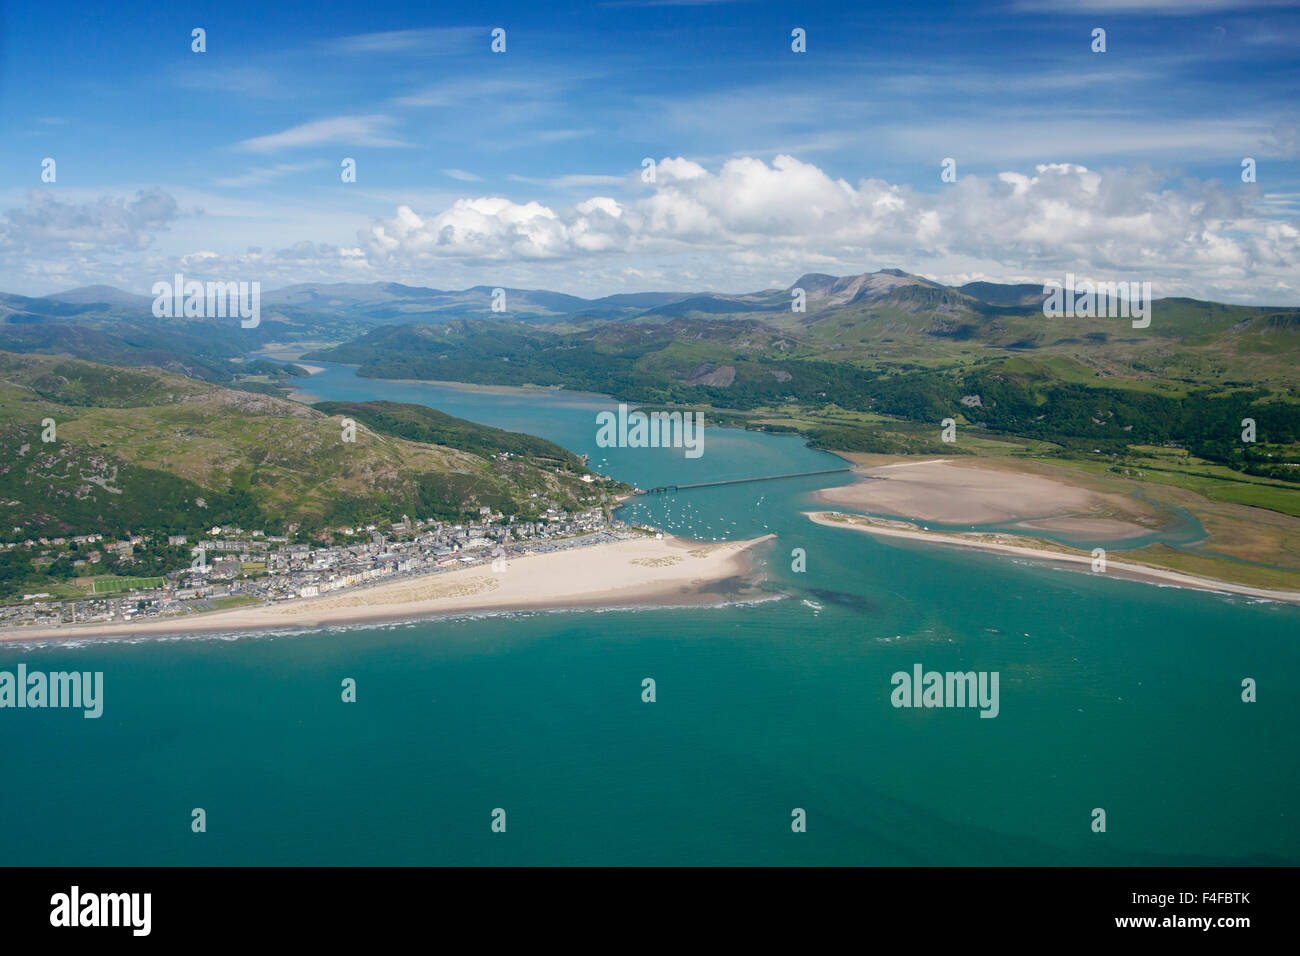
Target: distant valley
874, 363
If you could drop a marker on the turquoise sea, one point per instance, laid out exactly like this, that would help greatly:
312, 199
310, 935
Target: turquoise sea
1113, 694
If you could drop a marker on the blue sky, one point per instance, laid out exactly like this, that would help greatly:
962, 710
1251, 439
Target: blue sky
524, 168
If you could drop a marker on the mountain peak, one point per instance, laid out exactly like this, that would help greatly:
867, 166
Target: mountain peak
839, 290
813, 282
95, 294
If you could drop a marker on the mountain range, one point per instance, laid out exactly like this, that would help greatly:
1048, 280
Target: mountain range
392, 301
877, 322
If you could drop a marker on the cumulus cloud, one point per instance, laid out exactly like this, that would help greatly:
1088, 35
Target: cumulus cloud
744, 225
48, 226
1056, 216
487, 229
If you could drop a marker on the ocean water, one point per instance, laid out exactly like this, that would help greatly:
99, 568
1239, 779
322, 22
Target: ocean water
1113, 695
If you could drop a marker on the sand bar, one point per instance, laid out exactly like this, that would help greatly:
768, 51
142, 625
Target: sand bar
636, 572
998, 543
949, 492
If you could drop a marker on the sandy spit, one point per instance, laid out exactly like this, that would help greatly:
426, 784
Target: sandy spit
638, 572
1136, 572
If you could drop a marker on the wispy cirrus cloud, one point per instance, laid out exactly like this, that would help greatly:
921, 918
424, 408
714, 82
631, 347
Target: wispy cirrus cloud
460, 91
462, 175
1169, 8
670, 3
1284, 140
259, 176
571, 181
344, 130
562, 135
439, 41
235, 80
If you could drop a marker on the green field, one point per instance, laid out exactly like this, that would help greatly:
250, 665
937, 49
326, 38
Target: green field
239, 600
111, 585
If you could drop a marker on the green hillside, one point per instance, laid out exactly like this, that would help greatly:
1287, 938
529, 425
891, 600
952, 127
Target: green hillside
143, 450
428, 425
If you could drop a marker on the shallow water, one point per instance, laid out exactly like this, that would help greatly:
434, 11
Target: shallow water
1113, 694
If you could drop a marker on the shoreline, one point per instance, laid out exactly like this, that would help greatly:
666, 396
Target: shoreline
599, 399
1137, 572
659, 572
529, 389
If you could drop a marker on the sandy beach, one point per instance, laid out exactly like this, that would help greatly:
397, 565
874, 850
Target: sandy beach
1002, 544
951, 492
639, 572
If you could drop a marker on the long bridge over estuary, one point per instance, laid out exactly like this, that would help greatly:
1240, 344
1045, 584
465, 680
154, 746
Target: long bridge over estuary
662, 489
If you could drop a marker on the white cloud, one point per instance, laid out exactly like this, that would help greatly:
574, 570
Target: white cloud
576, 180
1028, 138
47, 226
261, 175
488, 229
428, 41
1170, 8
1187, 236
1284, 140
231, 80
561, 135
738, 226
668, 3
343, 130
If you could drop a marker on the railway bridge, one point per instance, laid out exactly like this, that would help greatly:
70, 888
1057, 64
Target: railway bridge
665, 489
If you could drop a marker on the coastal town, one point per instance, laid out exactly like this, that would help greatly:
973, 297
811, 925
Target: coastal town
232, 567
